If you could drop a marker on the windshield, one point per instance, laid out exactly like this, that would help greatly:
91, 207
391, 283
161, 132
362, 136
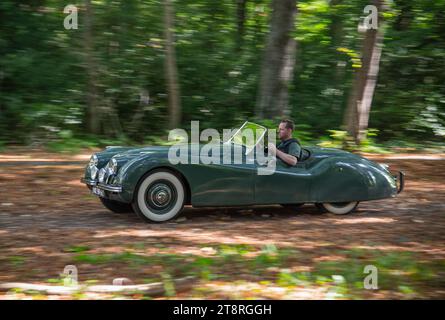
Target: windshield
249, 135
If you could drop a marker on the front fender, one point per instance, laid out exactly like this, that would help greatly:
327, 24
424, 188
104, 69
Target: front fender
130, 174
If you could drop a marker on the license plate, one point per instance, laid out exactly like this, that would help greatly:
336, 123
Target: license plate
98, 192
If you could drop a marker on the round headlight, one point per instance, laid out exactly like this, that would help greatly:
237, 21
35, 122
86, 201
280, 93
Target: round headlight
102, 175
112, 165
94, 172
93, 160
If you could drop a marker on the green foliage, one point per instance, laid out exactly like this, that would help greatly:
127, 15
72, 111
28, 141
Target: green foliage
66, 142
71, 145
404, 273
169, 286
396, 270
77, 249
337, 139
56, 281
43, 78
341, 140
17, 260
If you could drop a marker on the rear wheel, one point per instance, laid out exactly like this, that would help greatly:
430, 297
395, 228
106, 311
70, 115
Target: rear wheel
159, 197
116, 206
339, 208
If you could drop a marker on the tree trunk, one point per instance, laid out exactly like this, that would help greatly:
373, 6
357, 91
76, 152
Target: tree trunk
174, 103
93, 117
241, 19
360, 99
338, 64
368, 91
278, 61
286, 76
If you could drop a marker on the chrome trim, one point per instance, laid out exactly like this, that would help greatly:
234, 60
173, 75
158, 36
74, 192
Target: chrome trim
401, 180
94, 171
112, 166
110, 188
102, 186
94, 160
108, 176
88, 181
101, 175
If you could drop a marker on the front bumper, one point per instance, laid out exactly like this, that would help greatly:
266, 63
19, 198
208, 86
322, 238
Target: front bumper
400, 180
102, 186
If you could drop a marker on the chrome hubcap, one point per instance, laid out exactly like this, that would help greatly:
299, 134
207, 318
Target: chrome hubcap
160, 195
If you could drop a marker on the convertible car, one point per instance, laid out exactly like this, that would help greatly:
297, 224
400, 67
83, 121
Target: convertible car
144, 180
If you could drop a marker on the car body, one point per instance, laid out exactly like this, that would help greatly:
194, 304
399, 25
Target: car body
334, 180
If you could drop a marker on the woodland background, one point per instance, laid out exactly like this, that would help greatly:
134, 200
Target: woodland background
133, 69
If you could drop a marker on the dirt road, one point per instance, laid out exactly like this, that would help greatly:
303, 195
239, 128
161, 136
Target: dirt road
49, 220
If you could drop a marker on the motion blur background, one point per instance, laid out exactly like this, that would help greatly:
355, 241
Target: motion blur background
133, 69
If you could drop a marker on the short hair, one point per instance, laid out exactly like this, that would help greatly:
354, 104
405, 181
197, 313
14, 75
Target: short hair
289, 123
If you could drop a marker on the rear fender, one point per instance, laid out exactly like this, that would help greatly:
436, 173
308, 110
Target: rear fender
343, 180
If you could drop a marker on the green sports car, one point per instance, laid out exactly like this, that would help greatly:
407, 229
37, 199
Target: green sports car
146, 180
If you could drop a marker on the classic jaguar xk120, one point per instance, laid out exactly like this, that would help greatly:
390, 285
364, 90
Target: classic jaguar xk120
145, 181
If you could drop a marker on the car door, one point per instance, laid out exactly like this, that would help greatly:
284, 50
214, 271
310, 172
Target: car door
223, 184
288, 184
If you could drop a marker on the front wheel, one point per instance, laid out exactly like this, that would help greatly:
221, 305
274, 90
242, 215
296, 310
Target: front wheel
339, 208
116, 206
159, 197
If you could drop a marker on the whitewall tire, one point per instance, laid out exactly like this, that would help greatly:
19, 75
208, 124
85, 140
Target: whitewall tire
339, 208
159, 197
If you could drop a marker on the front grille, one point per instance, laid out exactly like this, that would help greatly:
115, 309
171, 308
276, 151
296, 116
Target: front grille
102, 175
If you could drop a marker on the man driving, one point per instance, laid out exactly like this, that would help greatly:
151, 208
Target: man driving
289, 150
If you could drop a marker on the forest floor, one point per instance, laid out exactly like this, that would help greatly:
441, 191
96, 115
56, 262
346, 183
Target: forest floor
49, 220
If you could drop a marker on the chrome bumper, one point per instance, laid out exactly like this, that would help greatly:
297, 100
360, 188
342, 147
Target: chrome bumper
400, 180
102, 186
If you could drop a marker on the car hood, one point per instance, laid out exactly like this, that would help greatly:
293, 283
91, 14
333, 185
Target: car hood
124, 154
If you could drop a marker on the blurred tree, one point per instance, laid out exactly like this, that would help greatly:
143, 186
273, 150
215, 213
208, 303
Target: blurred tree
241, 21
365, 78
338, 70
278, 61
51, 78
93, 115
174, 102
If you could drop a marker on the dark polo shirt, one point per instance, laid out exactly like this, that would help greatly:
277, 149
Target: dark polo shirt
292, 147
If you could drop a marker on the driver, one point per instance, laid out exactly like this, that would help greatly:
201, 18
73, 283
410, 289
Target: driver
289, 150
